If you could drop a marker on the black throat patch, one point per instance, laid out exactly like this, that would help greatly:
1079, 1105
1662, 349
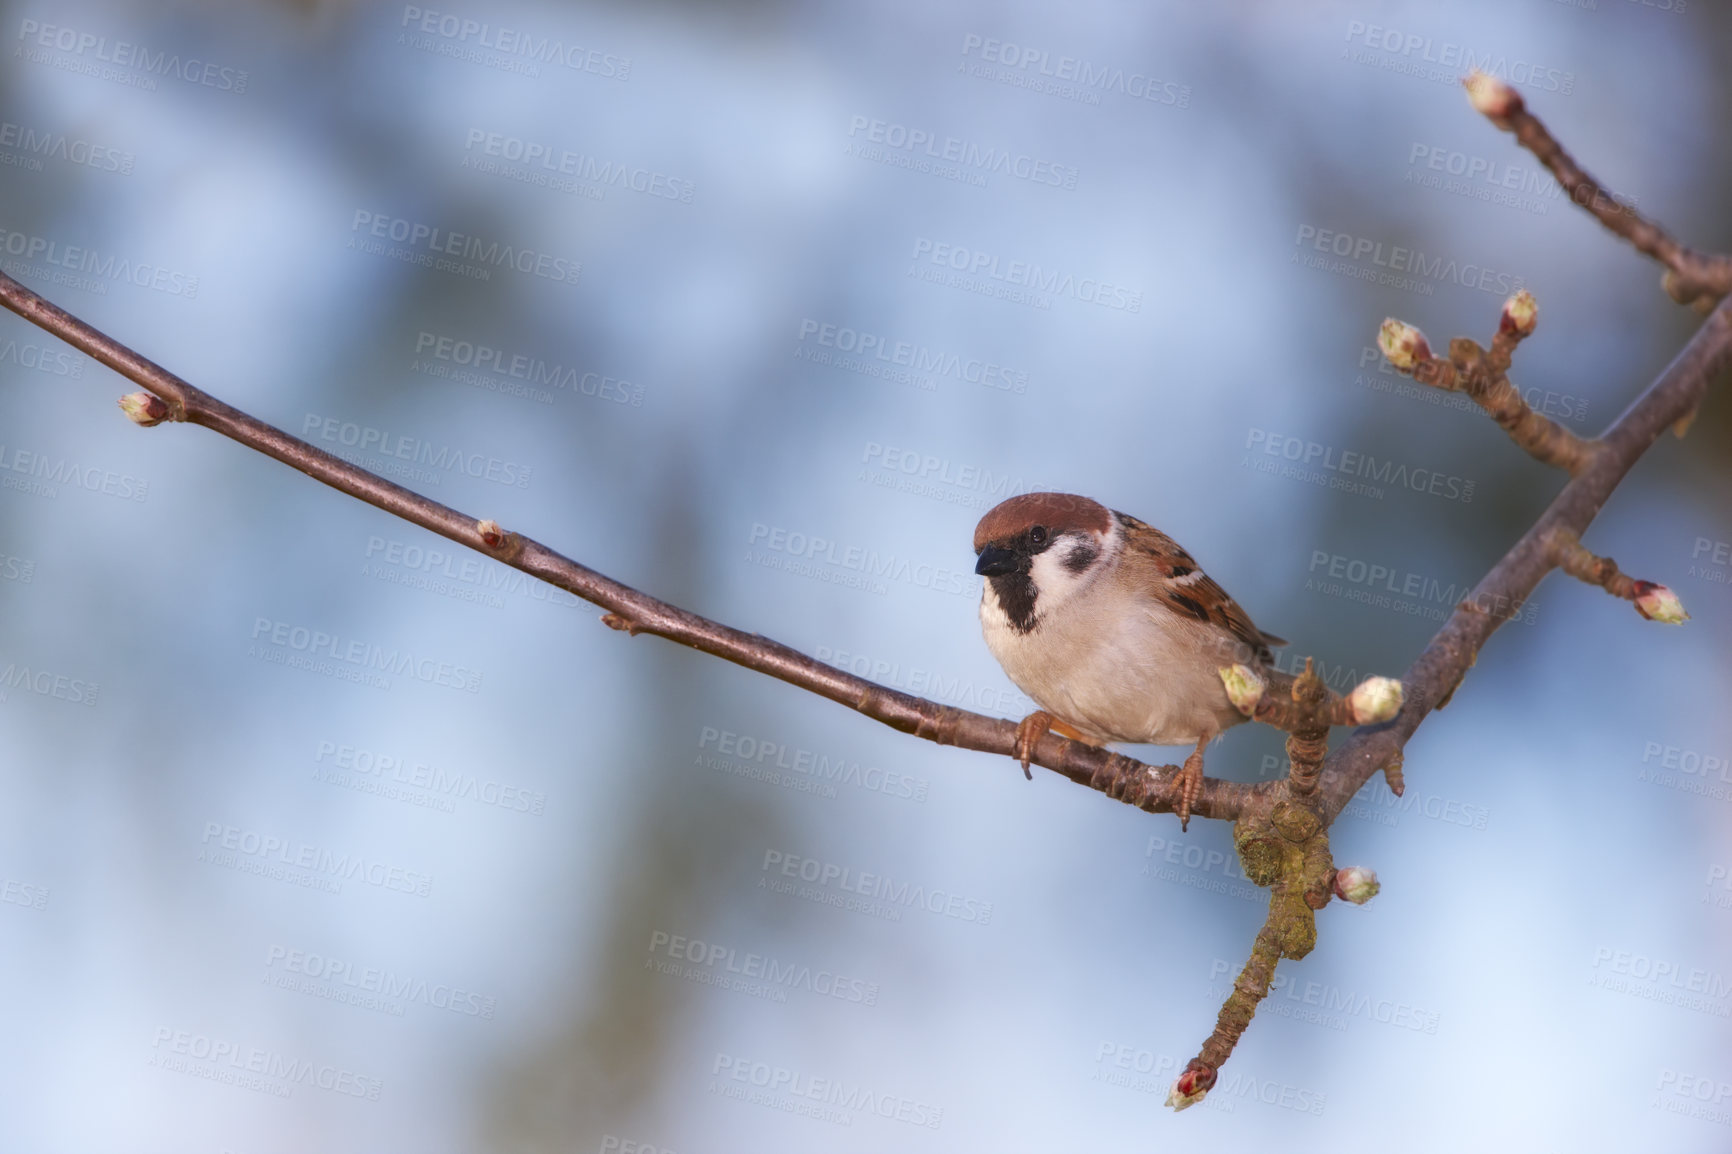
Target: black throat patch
1015, 593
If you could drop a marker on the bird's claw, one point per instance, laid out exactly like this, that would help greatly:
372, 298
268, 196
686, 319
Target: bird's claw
1188, 785
1029, 731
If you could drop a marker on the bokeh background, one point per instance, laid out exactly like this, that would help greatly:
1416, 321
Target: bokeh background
527, 891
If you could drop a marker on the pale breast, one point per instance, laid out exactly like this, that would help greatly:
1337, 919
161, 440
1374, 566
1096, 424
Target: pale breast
1145, 676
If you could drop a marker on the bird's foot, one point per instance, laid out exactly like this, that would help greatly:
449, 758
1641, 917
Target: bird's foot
1031, 729
1028, 732
1188, 785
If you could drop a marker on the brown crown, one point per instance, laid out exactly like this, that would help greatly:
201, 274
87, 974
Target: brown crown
1059, 512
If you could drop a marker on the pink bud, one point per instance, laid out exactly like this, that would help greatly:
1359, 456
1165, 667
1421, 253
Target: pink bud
1658, 603
1190, 1087
1491, 96
1520, 313
491, 533
1403, 345
1356, 884
144, 409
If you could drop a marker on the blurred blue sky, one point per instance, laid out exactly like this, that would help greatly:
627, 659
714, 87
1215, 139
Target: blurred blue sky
684, 290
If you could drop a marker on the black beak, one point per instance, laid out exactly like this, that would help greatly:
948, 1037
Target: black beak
996, 562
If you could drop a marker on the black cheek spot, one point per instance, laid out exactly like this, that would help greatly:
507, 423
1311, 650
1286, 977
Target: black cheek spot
1080, 558
1015, 592
1186, 604
1181, 571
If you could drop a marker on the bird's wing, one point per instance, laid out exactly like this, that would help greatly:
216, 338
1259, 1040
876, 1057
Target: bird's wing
1175, 579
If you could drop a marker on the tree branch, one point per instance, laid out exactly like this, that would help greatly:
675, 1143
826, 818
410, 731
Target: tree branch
1134, 782
1280, 827
1287, 848
1445, 661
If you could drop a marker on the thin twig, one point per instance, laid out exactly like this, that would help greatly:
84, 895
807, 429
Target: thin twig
1484, 376
1652, 600
1691, 277
1289, 853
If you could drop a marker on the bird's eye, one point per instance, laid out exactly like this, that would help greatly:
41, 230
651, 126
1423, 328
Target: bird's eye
1037, 535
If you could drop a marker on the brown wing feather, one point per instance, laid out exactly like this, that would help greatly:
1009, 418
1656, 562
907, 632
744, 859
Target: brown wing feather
1184, 588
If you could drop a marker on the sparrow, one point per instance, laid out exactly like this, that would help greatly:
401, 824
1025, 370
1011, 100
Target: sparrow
1111, 628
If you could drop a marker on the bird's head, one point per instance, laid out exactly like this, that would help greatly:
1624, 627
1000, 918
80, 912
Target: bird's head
1037, 549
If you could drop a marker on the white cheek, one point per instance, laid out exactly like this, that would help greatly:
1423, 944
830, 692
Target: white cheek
1056, 580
